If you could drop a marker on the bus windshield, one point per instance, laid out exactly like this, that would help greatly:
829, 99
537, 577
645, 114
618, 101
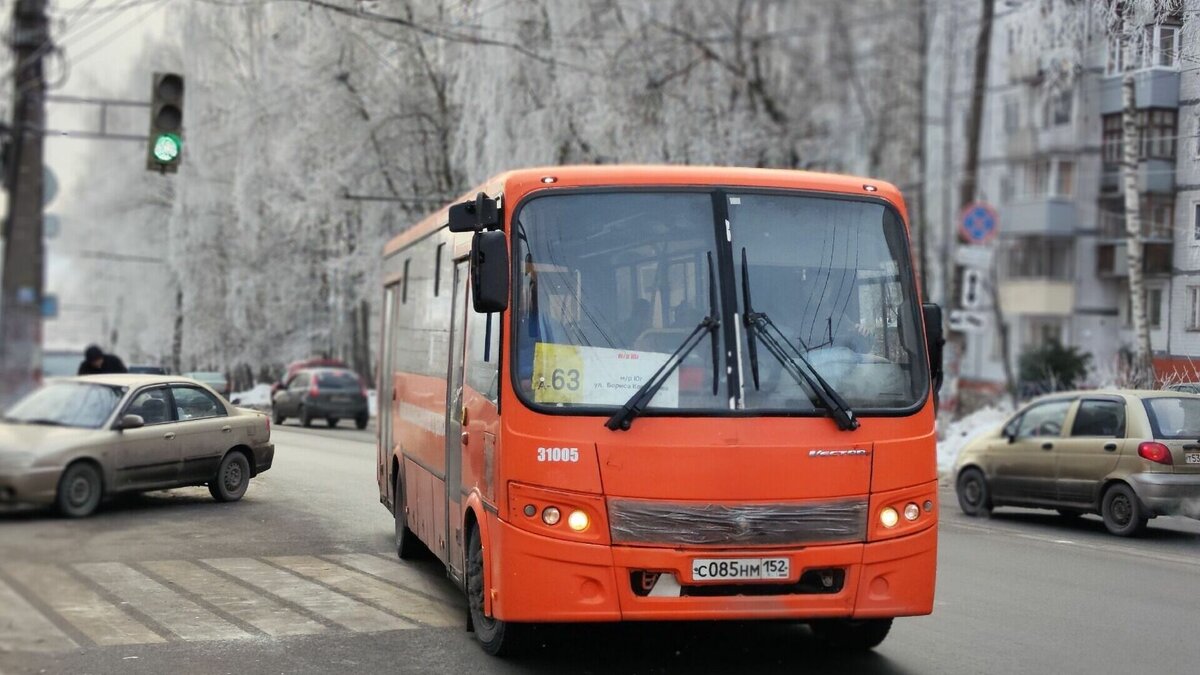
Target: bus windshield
609, 284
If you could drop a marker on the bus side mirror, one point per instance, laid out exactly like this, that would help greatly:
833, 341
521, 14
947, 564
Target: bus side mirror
481, 214
933, 343
489, 272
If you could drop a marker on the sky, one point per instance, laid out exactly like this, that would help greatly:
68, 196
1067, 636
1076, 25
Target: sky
99, 46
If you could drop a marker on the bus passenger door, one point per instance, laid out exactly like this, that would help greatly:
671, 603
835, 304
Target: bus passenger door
454, 428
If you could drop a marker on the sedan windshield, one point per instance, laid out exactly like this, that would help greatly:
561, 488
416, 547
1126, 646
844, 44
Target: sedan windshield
68, 404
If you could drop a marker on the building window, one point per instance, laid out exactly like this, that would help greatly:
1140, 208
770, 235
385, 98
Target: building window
1157, 128
1193, 308
1012, 114
1196, 221
1154, 298
1060, 108
1160, 47
1064, 183
1156, 135
1041, 258
1112, 139
1006, 189
1116, 56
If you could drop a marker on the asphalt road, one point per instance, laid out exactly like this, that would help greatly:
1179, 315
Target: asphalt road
148, 586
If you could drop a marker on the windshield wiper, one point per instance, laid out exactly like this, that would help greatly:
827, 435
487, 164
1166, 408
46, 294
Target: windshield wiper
42, 422
623, 418
759, 325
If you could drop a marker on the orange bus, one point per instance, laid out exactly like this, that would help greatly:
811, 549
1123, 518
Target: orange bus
615, 393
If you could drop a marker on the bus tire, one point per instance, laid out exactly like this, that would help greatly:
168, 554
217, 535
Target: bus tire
851, 635
407, 543
974, 497
498, 638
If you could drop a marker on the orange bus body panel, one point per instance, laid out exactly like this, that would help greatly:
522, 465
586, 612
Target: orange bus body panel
536, 574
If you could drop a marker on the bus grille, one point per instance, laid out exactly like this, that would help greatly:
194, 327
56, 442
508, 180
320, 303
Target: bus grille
692, 524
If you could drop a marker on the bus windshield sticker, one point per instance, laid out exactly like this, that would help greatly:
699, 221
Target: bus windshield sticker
580, 375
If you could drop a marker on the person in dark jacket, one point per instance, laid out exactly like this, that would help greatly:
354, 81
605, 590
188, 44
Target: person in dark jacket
96, 362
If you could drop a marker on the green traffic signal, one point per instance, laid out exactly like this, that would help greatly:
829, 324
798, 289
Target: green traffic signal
167, 147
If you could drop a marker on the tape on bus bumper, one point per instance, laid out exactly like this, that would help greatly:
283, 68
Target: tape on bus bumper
552, 580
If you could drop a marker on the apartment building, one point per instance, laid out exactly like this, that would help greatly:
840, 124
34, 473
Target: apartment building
1049, 162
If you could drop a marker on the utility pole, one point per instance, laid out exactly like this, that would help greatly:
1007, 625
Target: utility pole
24, 258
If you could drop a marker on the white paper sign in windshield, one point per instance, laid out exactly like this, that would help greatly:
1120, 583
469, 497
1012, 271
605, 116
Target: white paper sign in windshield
597, 375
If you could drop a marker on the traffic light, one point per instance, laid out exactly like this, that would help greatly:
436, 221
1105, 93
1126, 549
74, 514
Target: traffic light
166, 123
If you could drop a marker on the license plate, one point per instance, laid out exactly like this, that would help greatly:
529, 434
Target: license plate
1192, 458
742, 569
340, 399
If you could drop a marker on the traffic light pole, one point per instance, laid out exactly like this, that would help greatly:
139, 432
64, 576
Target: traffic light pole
22, 282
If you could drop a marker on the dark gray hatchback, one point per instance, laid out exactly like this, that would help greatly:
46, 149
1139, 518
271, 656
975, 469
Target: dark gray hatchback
333, 394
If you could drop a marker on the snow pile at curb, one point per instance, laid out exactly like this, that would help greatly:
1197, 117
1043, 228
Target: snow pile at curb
258, 397
955, 436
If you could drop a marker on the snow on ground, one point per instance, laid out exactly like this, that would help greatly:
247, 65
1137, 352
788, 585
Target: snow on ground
258, 397
957, 434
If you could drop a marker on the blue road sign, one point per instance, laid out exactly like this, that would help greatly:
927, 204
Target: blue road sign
49, 306
978, 223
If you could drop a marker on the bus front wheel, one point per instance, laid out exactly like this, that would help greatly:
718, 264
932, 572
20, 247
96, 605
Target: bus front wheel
851, 635
498, 638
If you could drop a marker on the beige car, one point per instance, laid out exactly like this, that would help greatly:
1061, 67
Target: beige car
1126, 455
77, 440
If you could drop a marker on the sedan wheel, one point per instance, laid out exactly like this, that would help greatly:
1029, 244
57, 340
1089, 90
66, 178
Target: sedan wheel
974, 498
1122, 512
305, 418
232, 479
79, 490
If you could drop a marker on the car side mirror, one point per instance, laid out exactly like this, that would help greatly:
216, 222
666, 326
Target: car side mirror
131, 422
489, 272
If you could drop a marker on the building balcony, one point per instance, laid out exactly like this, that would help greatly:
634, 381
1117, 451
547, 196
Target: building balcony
1153, 175
1045, 216
1112, 227
1112, 262
1153, 87
1046, 297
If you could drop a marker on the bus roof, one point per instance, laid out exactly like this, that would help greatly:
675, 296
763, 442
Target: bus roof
516, 184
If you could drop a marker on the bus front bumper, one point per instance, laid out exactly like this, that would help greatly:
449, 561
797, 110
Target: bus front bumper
551, 580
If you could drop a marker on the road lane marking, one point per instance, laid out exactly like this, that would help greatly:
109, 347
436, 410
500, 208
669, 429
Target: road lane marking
1133, 553
400, 574
24, 628
172, 611
234, 599
311, 596
370, 589
95, 617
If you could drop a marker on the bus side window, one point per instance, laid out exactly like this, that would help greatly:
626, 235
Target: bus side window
483, 354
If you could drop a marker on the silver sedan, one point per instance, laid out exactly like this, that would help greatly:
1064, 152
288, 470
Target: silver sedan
77, 440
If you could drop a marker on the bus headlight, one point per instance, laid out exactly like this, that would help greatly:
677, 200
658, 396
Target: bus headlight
551, 515
911, 511
578, 521
888, 517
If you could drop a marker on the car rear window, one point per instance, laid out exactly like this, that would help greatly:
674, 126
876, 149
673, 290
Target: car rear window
342, 380
1173, 418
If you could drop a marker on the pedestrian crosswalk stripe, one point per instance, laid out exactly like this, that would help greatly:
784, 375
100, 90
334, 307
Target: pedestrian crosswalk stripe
234, 599
401, 574
369, 589
80, 606
310, 596
23, 627
170, 610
